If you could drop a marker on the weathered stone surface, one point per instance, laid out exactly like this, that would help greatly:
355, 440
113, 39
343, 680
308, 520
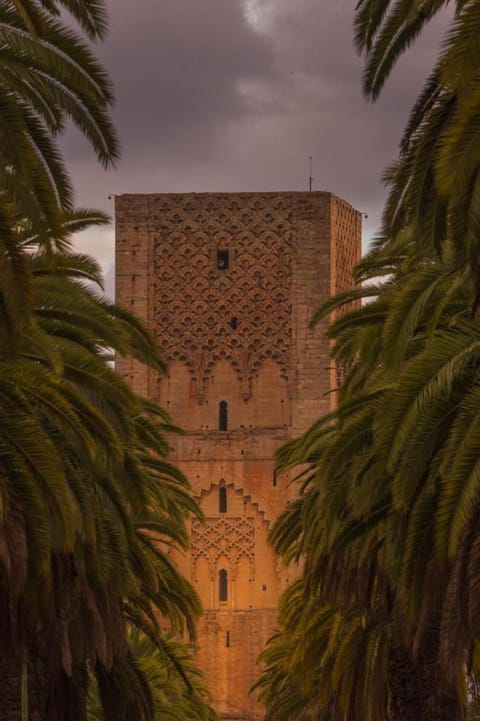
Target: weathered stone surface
237, 335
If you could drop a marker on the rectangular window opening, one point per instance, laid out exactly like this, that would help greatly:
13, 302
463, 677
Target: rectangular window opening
222, 259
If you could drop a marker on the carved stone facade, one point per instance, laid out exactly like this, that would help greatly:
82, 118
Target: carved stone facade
229, 537
243, 314
228, 283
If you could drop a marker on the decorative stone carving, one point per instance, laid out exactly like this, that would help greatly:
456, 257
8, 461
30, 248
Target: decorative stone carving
227, 537
347, 256
243, 314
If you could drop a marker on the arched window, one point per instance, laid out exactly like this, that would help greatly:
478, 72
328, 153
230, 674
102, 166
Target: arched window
223, 585
222, 500
223, 416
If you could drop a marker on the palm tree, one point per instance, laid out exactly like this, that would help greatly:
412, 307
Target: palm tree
386, 526
48, 76
352, 653
91, 509
434, 185
385, 29
175, 696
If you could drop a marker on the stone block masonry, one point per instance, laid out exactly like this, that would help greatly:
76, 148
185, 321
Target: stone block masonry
228, 283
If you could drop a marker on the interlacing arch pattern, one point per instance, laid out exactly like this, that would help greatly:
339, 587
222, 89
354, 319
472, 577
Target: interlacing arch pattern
346, 252
229, 537
346, 258
191, 292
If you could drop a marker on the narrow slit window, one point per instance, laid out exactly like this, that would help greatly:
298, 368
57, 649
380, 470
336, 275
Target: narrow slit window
223, 416
222, 500
222, 259
227, 640
223, 585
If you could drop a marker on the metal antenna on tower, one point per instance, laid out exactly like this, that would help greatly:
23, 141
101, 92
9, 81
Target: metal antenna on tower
310, 178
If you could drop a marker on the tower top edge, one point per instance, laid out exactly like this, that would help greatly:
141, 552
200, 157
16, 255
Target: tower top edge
325, 194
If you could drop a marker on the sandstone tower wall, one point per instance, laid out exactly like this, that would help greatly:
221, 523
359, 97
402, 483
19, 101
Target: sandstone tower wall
228, 284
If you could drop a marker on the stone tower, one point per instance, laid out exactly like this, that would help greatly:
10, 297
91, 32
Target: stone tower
228, 283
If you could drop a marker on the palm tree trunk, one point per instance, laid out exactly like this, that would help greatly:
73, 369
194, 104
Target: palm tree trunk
418, 691
11, 689
51, 696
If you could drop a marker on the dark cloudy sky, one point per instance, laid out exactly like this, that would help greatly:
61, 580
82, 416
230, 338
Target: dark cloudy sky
235, 95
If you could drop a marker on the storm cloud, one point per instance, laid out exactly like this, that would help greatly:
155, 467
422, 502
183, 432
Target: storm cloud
236, 95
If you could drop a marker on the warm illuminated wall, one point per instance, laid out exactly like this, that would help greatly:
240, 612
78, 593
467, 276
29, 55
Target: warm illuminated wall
228, 283
268, 404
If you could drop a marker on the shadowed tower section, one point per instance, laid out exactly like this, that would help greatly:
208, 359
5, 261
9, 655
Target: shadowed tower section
228, 283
